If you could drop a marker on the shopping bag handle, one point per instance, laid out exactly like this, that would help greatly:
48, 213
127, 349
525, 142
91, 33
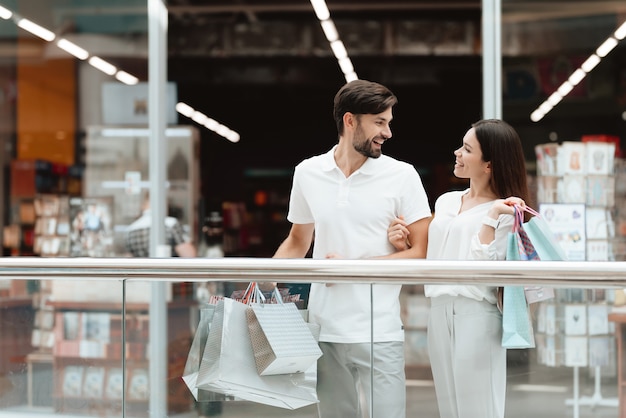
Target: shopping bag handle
527, 209
519, 216
278, 296
249, 294
257, 295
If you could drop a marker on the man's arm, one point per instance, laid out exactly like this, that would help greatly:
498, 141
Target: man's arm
418, 240
297, 243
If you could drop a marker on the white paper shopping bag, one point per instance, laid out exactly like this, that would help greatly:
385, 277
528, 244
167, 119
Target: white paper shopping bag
281, 340
228, 365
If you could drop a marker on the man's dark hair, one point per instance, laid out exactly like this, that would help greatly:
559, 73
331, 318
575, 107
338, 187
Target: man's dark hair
361, 97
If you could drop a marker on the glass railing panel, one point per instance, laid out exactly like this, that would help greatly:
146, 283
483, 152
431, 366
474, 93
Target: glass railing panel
575, 370
576, 360
17, 316
62, 347
225, 388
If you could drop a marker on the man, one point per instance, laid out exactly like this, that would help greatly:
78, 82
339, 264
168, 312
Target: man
138, 235
347, 197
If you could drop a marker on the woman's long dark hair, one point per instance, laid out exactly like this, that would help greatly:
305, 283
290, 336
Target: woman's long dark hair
502, 147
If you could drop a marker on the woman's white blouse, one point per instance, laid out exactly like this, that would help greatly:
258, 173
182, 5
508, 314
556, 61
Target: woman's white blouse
454, 236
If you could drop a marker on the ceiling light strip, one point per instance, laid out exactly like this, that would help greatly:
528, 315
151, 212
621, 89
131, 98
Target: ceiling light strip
577, 76
36, 30
6, 14
209, 123
110, 69
126, 78
102, 65
73, 49
69, 47
337, 46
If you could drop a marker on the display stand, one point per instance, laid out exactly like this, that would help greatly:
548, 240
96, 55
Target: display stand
98, 348
117, 167
594, 400
43, 359
619, 317
576, 191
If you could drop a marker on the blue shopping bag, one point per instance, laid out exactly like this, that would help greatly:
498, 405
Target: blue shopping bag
528, 241
533, 240
542, 239
517, 328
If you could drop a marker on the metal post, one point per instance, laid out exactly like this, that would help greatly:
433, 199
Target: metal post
492, 58
157, 70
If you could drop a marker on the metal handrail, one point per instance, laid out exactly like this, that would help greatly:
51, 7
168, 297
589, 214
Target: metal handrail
553, 273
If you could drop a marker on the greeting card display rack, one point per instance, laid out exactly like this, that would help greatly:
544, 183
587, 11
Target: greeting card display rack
577, 190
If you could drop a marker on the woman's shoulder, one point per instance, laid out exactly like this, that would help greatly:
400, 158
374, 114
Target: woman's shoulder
448, 199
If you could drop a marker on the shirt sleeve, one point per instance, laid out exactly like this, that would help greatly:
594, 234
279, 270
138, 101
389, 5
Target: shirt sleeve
299, 211
127, 243
496, 249
177, 234
415, 201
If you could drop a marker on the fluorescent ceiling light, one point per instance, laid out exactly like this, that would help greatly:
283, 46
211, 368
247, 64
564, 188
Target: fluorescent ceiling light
321, 10
620, 33
590, 63
351, 77
199, 117
565, 88
36, 30
126, 78
6, 14
184, 109
576, 77
545, 107
211, 124
73, 49
233, 136
328, 26
339, 49
537, 115
102, 65
580, 73
330, 31
606, 47
222, 130
555, 98
229, 134
346, 65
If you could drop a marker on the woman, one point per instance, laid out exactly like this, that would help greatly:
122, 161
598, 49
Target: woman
465, 325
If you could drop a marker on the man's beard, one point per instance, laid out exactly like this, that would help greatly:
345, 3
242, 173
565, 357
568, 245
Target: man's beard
364, 146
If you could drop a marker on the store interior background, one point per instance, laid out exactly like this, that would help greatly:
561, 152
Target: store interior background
265, 70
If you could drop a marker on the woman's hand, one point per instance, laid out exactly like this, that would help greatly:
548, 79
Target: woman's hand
398, 234
514, 201
505, 206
